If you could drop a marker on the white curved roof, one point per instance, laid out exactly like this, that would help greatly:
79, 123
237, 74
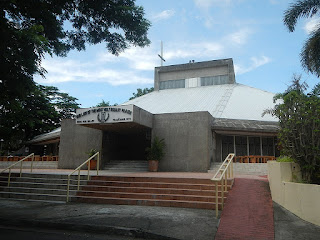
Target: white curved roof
232, 101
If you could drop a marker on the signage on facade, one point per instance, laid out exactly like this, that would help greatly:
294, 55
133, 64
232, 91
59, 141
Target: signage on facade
112, 114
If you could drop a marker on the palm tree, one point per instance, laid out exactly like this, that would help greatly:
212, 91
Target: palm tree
310, 54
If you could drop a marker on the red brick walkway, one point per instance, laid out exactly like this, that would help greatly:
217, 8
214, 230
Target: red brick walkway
248, 213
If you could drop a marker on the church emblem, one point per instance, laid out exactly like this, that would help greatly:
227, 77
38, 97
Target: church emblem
103, 117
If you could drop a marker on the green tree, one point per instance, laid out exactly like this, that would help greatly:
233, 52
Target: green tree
39, 112
30, 29
299, 134
105, 104
310, 54
22, 120
140, 92
64, 104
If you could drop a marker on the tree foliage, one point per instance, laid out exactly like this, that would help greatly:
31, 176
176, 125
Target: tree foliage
105, 104
140, 92
64, 104
299, 134
310, 54
39, 112
30, 29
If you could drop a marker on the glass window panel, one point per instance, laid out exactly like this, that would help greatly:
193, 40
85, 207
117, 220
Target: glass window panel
267, 146
254, 146
241, 146
227, 146
172, 84
224, 79
214, 80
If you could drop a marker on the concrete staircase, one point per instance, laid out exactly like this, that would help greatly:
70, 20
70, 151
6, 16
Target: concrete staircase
127, 166
151, 191
38, 187
214, 167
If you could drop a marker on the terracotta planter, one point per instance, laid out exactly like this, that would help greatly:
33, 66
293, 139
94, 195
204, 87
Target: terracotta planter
153, 165
93, 164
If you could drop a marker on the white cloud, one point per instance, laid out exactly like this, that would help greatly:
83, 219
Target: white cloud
240, 37
73, 71
255, 63
166, 14
131, 65
209, 21
138, 58
202, 49
205, 4
312, 25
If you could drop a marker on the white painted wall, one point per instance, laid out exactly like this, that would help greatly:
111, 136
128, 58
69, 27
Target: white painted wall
301, 199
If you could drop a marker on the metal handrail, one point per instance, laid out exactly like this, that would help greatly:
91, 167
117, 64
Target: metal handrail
20, 161
79, 168
225, 171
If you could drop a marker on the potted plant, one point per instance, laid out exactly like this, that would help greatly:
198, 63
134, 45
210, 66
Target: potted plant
93, 162
155, 153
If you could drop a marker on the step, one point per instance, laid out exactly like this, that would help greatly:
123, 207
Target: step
72, 185
152, 191
147, 202
153, 196
40, 190
33, 196
127, 166
40, 180
155, 179
154, 185
39, 187
38, 175
94, 188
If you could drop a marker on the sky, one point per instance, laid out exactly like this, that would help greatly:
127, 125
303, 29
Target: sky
251, 32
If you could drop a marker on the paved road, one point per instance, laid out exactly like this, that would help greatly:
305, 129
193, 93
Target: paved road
289, 226
141, 221
22, 233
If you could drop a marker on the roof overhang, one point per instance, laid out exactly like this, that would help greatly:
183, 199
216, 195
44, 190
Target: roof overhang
245, 127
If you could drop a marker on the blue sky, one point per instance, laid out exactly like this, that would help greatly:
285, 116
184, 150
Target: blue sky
251, 32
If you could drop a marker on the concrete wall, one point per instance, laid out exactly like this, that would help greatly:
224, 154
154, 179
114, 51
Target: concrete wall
251, 168
142, 116
300, 199
194, 70
188, 139
75, 141
193, 73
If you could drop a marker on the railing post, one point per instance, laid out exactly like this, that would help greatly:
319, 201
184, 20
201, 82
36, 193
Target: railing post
226, 182
89, 163
231, 169
222, 193
32, 162
9, 177
68, 187
98, 163
78, 179
21, 168
217, 199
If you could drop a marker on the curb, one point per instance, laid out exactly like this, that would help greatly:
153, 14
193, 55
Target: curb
130, 232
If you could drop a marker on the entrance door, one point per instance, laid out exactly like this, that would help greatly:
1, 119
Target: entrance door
126, 146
